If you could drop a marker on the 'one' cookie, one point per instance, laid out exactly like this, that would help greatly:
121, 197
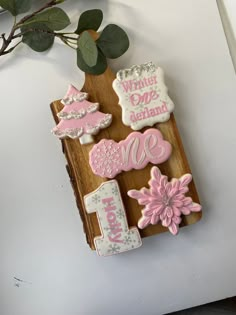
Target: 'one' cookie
108, 158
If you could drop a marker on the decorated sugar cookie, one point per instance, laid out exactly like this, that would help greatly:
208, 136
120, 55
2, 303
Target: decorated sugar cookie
143, 96
116, 237
165, 201
80, 118
108, 158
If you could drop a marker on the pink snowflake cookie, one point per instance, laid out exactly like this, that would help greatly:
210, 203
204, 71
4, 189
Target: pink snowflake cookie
108, 158
165, 201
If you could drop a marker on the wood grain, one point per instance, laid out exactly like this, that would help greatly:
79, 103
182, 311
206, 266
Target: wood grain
84, 181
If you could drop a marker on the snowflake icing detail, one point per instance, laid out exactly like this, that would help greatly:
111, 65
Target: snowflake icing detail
165, 201
120, 214
105, 158
113, 249
115, 190
96, 199
127, 240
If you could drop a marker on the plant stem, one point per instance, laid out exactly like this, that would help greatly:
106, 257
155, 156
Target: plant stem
18, 35
6, 41
67, 43
65, 33
67, 37
11, 49
29, 16
64, 38
71, 42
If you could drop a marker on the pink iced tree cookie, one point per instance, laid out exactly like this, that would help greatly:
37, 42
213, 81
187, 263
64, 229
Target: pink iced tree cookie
165, 201
80, 118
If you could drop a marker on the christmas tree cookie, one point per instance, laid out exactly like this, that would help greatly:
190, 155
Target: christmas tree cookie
80, 118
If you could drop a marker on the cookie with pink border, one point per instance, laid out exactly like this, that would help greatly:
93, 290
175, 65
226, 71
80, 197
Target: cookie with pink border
116, 237
80, 119
108, 158
164, 201
143, 96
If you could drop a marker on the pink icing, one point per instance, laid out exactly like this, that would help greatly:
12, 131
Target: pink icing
91, 119
116, 235
108, 158
165, 201
79, 116
115, 227
133, 85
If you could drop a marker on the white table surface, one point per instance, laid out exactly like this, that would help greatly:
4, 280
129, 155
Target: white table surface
41, 236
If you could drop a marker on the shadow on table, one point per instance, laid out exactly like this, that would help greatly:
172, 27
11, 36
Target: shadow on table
224, 307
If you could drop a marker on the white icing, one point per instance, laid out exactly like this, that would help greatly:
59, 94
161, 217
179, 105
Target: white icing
116, 237
143, 96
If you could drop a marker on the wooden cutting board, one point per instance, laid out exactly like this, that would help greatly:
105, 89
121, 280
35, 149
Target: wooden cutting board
84, 181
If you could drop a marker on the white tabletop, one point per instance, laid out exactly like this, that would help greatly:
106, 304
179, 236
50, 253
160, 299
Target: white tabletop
41, 236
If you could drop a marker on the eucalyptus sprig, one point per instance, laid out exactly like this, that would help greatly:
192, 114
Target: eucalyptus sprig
39, 29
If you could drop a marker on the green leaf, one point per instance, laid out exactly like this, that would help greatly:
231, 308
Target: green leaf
89, 20
113, 41
38, 37
99, 68
55, 18
88, 49
16, 6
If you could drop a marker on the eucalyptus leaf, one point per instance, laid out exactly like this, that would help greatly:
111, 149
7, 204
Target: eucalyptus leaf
89, 20
55, 18
16, 7
99, 68
88, 49
38, 37
113, 41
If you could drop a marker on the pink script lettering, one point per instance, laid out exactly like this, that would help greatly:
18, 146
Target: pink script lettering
135, 152
133, 85
145, 98
114, 226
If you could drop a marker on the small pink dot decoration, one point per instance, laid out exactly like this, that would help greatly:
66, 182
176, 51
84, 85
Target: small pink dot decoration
164, 201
